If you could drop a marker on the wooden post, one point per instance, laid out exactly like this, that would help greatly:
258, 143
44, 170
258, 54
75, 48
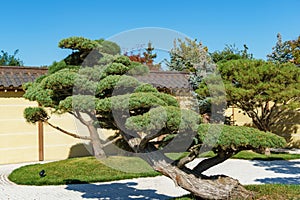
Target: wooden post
41, 140
232, 115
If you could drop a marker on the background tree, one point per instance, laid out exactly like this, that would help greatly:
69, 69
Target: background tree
10, 60
191, 56
263, 90
149, 55
147, 58
295, 50
281, 51
108, 96
230, 52
188, 55
287, 51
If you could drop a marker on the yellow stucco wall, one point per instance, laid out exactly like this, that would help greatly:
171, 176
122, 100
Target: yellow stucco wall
288, 126
19, 139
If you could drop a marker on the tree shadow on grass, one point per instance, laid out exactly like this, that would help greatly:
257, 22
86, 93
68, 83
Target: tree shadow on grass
115, 191
289, 168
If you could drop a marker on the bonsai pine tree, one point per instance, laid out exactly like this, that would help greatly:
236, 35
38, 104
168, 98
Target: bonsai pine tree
108, 95
263, 90
81, 47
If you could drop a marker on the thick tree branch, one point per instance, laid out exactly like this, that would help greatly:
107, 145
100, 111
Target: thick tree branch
194, 152
148, 137
255, 119
275, 111
210, 162
132, 139
112, 141
79, 116
67, 132
265, 111
152, 155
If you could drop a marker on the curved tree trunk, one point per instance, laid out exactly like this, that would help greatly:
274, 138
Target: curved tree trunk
216, 187
96, 142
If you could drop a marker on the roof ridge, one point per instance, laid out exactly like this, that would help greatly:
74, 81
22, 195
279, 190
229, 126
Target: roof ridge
168, 72
23, 67
168, 79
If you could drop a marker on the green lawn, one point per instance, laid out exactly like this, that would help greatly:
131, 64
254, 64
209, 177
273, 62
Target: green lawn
249, 155
267, 192
81, 170
89, 169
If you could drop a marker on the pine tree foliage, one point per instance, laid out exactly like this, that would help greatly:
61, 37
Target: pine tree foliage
263, 90
111, 97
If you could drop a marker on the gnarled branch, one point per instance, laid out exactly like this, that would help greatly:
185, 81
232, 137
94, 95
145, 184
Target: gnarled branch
67, 132
79, 116
112, 141
149, 137
210, 162
194, 152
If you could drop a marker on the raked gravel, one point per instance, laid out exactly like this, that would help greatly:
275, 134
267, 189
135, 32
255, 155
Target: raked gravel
160, 187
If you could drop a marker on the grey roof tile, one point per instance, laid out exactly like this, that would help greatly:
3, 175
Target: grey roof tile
13, 77
163, 79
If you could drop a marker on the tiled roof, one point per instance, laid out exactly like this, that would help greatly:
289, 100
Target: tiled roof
15, 77
162, 79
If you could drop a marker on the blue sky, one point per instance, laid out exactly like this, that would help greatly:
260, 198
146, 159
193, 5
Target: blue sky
36, 27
